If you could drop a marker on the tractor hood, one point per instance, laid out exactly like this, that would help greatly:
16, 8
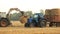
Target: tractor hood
3, 14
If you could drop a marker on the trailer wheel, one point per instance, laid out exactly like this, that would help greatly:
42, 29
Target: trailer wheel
3, 23
52, 24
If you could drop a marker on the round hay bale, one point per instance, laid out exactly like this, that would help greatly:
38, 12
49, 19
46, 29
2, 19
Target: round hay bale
23, 19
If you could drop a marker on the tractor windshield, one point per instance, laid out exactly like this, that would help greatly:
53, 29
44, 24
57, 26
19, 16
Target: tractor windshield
35, 16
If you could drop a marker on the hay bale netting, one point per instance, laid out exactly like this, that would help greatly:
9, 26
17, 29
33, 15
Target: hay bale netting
23, 19
52, 12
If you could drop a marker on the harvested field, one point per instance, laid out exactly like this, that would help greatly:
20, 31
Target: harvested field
20, 30
17, 28
17, 23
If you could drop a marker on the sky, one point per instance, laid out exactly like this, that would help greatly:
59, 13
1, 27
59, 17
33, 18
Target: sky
25, 5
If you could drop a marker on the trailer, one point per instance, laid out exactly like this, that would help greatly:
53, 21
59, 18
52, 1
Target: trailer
53, 16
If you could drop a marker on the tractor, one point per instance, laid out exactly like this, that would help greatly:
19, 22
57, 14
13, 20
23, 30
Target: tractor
36, 20
5, 21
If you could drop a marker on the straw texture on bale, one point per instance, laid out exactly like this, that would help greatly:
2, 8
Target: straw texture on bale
47, 12
23, 19
52, 15
52, 12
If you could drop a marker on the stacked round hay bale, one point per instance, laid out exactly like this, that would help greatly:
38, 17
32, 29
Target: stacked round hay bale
47, 11
53, 15
52, 12
55, 11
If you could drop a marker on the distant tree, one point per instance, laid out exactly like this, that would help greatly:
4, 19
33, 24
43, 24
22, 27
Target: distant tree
15, 16
29, 13
42, 11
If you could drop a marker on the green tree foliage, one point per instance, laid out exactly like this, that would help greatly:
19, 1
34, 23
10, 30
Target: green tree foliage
15, 16
29, 13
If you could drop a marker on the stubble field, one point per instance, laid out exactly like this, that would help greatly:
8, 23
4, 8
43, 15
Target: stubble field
18, 28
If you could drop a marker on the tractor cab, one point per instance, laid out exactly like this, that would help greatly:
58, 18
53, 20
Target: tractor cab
38, 16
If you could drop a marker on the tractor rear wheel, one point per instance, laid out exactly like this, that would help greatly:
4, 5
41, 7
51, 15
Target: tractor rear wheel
42, 23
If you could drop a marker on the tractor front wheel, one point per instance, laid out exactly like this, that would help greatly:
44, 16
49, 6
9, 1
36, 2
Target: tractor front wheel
3, 23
